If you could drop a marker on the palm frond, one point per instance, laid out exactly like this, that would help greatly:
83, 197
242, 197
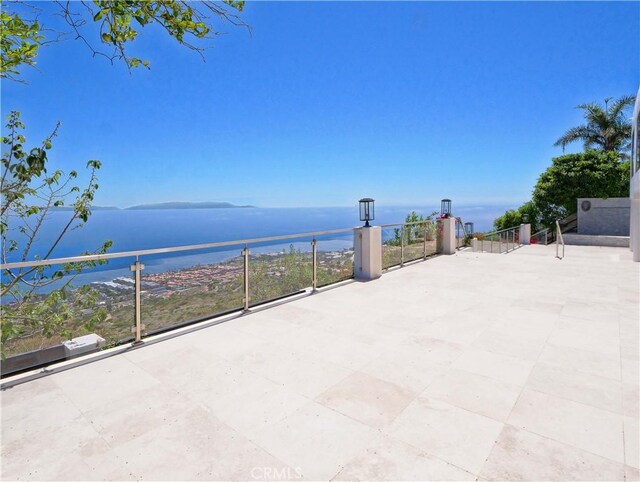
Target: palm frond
580, 133
621, 104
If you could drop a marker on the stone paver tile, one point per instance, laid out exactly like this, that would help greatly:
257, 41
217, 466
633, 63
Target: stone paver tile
527, 303
275, 321
407, 369
629, 348
48, 411
367, 399
588, 428
306, 339
346, 353
309, 376
458, 328
100, 383
17, 394
631, 474
630, 370
607, 366
250, 403
453, 434
476, 393
182, 366
304, 374
377, 334
194, 446
315, 440
432, 350
231, 343
137, 414
521, 455
584, 340
578, 386
493, 365
632, 442
392, 459
527, 347
517, 322
631, 399
591, 310
68, 453
606, 328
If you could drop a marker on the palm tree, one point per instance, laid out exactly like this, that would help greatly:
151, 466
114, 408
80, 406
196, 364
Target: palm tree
607, 128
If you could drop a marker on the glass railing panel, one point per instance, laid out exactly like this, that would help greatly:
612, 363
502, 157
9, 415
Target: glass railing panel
414, 241
56, 303
541, 237
279, 269
391, 246
189, 286
335, 258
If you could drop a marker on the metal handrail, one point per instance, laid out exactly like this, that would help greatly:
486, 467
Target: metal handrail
174, 249
510, 239
559, 239
501, 230
464, 230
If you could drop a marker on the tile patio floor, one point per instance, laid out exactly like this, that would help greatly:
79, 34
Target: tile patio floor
465, 367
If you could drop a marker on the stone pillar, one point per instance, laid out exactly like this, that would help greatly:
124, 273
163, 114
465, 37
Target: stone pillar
448, 226
525, 233
367, 262
474, 244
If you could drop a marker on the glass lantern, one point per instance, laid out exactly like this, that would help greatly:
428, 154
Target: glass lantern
445, 208
367, 211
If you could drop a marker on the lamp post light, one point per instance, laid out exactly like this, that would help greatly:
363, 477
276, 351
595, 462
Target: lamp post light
445, 208
468, 227
367, 211
525, 219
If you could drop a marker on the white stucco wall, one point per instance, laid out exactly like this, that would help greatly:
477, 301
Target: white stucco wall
634, 190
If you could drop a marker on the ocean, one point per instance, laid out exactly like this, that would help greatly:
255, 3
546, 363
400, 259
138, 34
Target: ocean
146, 229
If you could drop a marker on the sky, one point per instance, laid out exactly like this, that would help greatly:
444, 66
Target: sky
327, 102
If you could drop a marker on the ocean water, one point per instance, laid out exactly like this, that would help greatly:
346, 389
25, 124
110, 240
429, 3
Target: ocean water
148, 229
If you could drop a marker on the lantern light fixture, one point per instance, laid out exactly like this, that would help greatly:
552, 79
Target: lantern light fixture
367, 211
445, 208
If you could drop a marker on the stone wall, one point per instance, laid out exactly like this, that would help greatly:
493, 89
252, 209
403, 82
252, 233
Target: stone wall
604, 216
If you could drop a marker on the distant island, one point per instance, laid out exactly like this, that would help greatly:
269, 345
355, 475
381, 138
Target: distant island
188, 205
167, 205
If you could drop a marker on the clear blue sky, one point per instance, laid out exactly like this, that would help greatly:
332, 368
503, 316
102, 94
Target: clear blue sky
328, 102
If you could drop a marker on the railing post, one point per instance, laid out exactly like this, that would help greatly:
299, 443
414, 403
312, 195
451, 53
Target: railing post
424, 243
402, 245
245, 254
138, 326
314, 264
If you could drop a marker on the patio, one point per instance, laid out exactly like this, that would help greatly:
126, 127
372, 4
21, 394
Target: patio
465, 367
